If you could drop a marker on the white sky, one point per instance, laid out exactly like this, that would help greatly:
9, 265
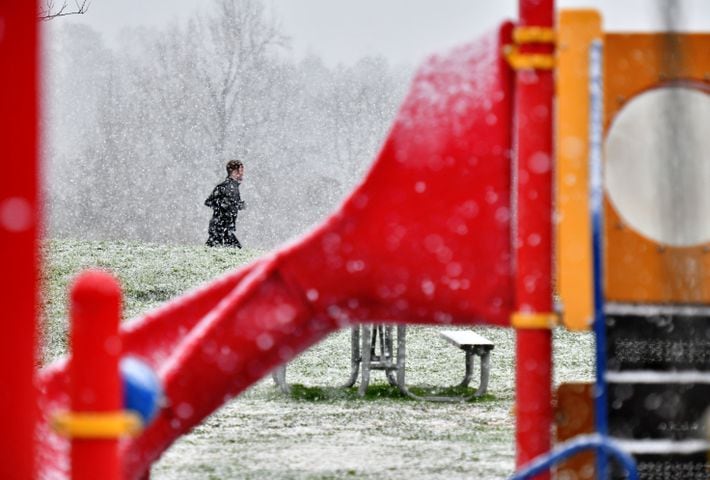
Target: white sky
401, 30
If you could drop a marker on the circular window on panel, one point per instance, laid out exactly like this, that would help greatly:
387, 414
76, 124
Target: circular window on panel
657, 171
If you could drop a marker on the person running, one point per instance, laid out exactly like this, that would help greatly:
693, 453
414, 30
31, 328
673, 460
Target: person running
225, 203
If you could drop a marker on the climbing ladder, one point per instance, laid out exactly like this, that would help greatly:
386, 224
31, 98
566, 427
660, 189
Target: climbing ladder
658, 387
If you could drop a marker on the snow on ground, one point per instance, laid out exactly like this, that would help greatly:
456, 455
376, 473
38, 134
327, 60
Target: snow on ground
265, 434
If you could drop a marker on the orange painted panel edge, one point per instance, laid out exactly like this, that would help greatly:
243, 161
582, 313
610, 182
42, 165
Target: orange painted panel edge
576, 31
574, 415
637, 269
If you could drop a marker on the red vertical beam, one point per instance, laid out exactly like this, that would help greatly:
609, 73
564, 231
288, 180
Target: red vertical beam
533, 240
93, 371
19, 218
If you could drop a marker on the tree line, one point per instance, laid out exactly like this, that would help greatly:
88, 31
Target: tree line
137, 133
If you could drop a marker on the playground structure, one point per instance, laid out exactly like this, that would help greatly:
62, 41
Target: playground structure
448, 228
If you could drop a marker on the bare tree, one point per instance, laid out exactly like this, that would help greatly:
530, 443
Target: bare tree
48, 9
237, 42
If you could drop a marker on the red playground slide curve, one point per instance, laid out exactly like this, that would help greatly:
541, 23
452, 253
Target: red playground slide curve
424, 239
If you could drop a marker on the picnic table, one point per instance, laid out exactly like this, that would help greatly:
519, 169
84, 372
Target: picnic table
383, 347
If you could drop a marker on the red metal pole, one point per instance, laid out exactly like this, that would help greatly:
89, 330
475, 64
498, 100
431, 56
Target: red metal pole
19, 219
94, 374
533, 239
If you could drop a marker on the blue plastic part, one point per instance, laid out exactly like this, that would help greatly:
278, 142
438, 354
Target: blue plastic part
600, 443
142, 391
596, 189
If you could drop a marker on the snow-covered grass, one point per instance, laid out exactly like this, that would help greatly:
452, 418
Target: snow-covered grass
264, 434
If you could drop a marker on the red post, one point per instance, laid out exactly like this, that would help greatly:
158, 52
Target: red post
94, 375
533, 237
19, 219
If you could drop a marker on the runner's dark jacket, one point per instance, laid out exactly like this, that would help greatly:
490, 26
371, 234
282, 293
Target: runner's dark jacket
225, 203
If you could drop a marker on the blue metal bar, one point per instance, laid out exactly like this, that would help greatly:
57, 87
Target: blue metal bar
600, 443
596, 189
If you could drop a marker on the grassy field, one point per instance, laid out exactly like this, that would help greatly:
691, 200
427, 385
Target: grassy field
323, 432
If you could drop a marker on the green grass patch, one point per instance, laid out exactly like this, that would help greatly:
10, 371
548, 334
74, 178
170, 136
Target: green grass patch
149, 274
380, 392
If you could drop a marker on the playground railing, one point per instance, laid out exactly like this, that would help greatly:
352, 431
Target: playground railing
600, 443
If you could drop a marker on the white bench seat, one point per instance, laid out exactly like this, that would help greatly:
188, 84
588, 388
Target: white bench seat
465, 339
473, 345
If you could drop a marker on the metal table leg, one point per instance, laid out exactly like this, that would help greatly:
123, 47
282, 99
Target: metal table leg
279, 376
378, 357
366, 359
485, 370
470, 358
355, 357
391, 370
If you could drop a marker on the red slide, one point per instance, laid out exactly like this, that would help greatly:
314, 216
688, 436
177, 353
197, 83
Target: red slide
424, 239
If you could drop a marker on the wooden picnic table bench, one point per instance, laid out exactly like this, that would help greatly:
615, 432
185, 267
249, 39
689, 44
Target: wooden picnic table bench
373, 348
